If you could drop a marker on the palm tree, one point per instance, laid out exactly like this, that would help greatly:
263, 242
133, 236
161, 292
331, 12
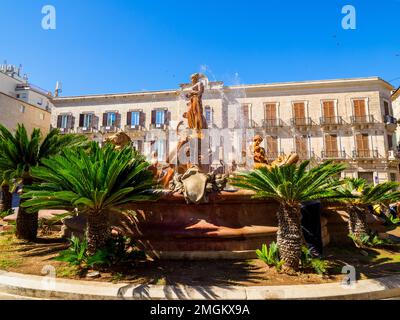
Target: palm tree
20, 153
359, 195
96, 183
291, 185
6, 200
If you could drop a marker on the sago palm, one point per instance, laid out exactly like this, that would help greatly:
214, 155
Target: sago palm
290, 185
6, 196
20, 153
96, 183
358, 195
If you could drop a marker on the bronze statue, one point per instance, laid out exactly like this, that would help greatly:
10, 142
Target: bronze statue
260, 160
194, 115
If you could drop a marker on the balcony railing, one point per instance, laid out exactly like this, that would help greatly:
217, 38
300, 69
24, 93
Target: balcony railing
272, 123
331, 120
303, 154
301, 121
390, 119
161, 126
109, 128
333, 154
65, 130
133, 127
365, 154
369, 118
245, 124
85, 129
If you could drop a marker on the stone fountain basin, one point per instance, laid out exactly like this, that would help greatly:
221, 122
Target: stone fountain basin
231, 221
232, 225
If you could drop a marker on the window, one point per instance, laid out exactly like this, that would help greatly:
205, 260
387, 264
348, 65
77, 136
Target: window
87, 120
64, 121
390, 141
160, 149
302, 146
135, 120
41, 116
272, 146
208, 114
111, 117
369, 176
22, 108
160, 117
386, 108
329, 112
270, 111
359, 109
40, 101
393, 177
331, 145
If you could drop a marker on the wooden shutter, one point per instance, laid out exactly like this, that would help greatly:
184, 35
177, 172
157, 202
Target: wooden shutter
104, 119
59, 121
142, 118
272, 145
270, 112
153, 116
129, 118
81, 120
167, 115
117, 120
95, 122
362, 144
390, 141
299, 110
246, 114
72, 122
359, 108
386, 108
329, 112
331, 147
301, 146
69, 121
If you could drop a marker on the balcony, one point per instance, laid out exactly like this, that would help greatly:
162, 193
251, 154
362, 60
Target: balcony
333, 154
85, 130
134, 127
301, 122
367, 119
272, 123
304, 154
65, 130
365, 154
241, 124
109, 129
160, 126
329, 121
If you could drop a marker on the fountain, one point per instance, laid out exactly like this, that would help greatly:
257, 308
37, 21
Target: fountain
197, 216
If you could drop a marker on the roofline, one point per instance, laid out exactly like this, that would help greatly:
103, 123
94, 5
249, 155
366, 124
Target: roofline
275, 85
396, 94
24, 102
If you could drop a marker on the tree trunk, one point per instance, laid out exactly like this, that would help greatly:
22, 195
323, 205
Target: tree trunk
6, 203
358, 225
27, 224
289, 237
98, 231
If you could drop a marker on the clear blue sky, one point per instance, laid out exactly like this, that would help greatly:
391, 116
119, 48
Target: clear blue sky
121, 46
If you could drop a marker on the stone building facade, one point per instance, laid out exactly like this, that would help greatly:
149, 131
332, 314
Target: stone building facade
347, 120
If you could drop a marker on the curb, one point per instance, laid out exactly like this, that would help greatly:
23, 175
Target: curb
54, 288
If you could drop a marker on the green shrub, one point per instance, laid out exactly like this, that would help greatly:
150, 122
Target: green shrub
77, 255
6, 213
309, 262
270, 255
370, 240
